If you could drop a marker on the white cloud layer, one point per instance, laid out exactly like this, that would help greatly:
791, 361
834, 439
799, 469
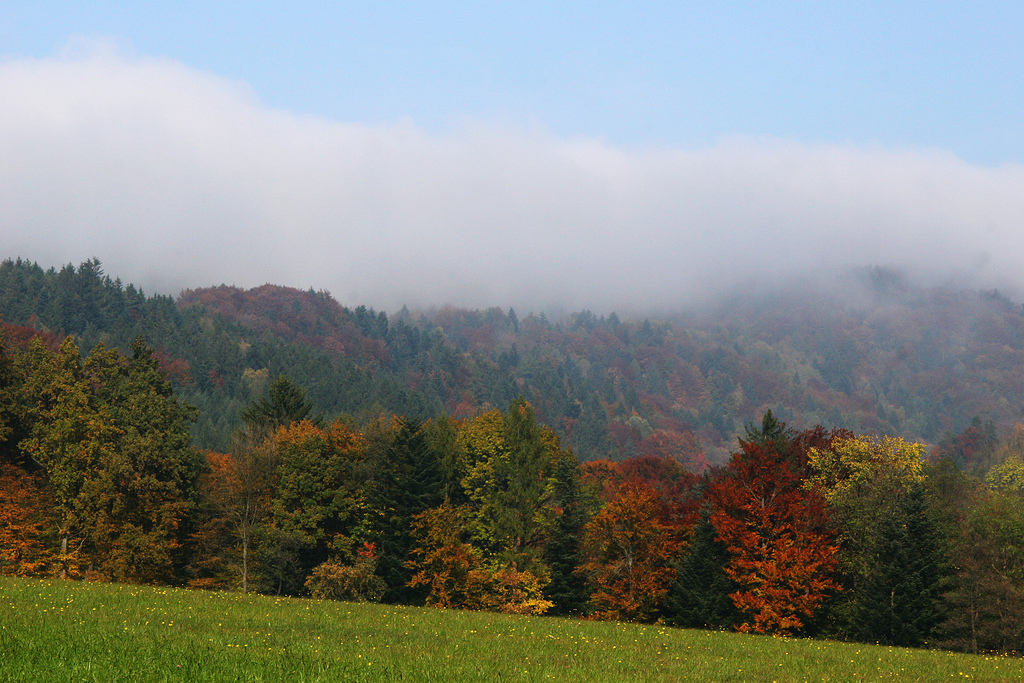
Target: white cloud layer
176, 178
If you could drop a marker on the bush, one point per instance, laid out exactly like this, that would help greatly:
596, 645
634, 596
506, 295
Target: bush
506, 590
355, 582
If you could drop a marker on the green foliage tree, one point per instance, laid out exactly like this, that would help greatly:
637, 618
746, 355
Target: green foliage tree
319, 503
509, 478
699, 594
71, 436
897, 603
891, 560
984, 602
562, 553
13, 420
113, 441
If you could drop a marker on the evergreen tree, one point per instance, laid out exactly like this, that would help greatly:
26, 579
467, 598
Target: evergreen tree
407, 479
898, 604
770, 432
699, 596
891, 558
13, 418
568, 589
286, 403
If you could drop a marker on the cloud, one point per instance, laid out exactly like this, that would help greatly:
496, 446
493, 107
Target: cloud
178, 178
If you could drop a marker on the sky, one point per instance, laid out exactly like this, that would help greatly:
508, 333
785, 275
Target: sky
558, 156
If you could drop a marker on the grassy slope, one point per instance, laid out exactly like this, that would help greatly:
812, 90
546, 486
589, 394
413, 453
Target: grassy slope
55, 631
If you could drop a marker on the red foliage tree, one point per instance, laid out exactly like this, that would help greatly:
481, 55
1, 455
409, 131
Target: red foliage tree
780, 546
683, 446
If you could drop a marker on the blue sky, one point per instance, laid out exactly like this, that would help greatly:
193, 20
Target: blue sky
846, 133
917, 74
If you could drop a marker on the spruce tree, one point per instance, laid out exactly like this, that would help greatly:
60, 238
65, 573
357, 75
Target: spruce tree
286, 403
699, 594
562, 554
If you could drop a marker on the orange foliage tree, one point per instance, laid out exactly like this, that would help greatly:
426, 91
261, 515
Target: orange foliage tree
27, 520
444, 558
628, 547
451, 568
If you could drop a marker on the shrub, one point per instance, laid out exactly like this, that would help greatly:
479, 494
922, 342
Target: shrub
333, 580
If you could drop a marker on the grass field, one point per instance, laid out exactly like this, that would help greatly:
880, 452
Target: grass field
62, 631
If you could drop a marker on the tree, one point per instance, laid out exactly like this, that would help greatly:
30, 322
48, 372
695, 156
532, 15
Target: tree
449, 567
13, 423
319, 505
357, 581
562, 553
285, 404
985, 600
406, 479
443, 558
890, 561
113, 443
897, 603
628, 547
781, 548
70, 436
769, 434
973, 449
153, 470
509, 478
240, 486
699, 595
26, 524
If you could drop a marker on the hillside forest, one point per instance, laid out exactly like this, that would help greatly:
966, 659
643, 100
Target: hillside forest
844, 465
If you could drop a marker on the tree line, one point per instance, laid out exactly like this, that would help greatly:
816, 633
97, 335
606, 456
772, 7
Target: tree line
813, 532
877, 356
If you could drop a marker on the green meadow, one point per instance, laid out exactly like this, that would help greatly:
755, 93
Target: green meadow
64, 631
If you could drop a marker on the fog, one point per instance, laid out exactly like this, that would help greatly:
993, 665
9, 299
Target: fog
176, 178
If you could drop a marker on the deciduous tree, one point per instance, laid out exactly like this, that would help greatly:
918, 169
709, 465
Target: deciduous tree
890, 561
628, 548
781, 549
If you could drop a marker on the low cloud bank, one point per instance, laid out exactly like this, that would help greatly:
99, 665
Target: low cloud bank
176, 178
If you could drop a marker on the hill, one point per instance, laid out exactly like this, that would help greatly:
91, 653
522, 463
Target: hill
876, 355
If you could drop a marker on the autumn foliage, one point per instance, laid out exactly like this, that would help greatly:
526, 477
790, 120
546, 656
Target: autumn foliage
489, 509
628, 546
28, 525
781, 546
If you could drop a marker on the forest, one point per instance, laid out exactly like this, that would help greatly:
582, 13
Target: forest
843, 467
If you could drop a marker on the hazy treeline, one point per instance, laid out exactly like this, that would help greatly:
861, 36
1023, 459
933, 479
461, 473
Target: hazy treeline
880, 356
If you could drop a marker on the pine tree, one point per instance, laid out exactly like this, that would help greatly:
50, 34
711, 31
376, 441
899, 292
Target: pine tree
407, 480
286, 403
898, 603
567, 590
699, 596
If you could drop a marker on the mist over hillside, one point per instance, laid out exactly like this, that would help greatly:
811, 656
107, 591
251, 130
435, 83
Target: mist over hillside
873, 351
